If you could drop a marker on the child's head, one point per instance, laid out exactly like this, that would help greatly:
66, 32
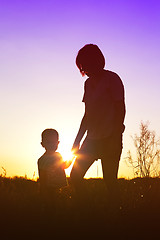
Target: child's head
50, 139
90, 60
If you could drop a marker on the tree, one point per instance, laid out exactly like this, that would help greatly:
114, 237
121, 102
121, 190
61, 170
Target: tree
146, 162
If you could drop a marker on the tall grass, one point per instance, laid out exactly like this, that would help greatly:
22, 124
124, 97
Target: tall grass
25, 213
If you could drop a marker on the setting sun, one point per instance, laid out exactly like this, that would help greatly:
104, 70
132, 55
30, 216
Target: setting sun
68, 156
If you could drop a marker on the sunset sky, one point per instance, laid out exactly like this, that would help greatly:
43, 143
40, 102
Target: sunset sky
41, 86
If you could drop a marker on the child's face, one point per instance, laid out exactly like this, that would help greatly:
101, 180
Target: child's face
51, 143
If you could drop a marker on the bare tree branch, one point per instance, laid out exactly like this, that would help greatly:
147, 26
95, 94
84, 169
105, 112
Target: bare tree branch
146, 162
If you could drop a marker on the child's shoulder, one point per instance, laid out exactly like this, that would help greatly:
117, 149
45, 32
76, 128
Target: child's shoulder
57, 154
47, 160
41, 158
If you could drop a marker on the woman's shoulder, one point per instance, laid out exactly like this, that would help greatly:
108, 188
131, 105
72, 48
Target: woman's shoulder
111, 74
114, 78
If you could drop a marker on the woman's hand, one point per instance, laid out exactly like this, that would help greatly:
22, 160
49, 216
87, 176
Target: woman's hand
75, 148
80, 134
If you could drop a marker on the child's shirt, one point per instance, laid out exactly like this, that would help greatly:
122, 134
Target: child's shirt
51, 171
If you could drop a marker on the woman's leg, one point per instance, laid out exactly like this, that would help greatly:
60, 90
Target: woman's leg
110, 166
111, 153
82, 163
80, 167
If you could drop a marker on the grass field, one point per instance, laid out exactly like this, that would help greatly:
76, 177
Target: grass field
24, 215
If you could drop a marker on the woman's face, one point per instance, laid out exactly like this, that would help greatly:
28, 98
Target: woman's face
91, 72
87, 70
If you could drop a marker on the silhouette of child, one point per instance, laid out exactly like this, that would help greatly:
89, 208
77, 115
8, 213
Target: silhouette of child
51, 165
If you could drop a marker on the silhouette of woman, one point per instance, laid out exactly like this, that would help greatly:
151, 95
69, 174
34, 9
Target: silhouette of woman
103, 119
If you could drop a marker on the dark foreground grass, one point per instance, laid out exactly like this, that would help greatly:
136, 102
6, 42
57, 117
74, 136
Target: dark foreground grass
24, 215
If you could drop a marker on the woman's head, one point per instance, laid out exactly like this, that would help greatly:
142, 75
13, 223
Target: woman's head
90, 60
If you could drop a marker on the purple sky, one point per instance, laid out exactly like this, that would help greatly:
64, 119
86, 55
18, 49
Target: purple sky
40, 85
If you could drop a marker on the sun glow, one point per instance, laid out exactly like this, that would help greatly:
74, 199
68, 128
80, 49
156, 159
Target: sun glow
68, 156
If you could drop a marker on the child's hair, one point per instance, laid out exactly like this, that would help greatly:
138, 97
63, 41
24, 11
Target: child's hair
90, 56
49, 132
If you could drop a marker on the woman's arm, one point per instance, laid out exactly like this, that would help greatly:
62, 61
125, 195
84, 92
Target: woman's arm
120, 115
80, 134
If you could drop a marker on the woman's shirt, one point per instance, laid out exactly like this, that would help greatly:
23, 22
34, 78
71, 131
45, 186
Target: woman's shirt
100, 102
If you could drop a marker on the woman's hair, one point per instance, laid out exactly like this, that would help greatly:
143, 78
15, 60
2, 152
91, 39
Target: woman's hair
91, 58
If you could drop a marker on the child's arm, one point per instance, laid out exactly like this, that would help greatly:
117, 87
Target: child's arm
43, 177
68, 163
